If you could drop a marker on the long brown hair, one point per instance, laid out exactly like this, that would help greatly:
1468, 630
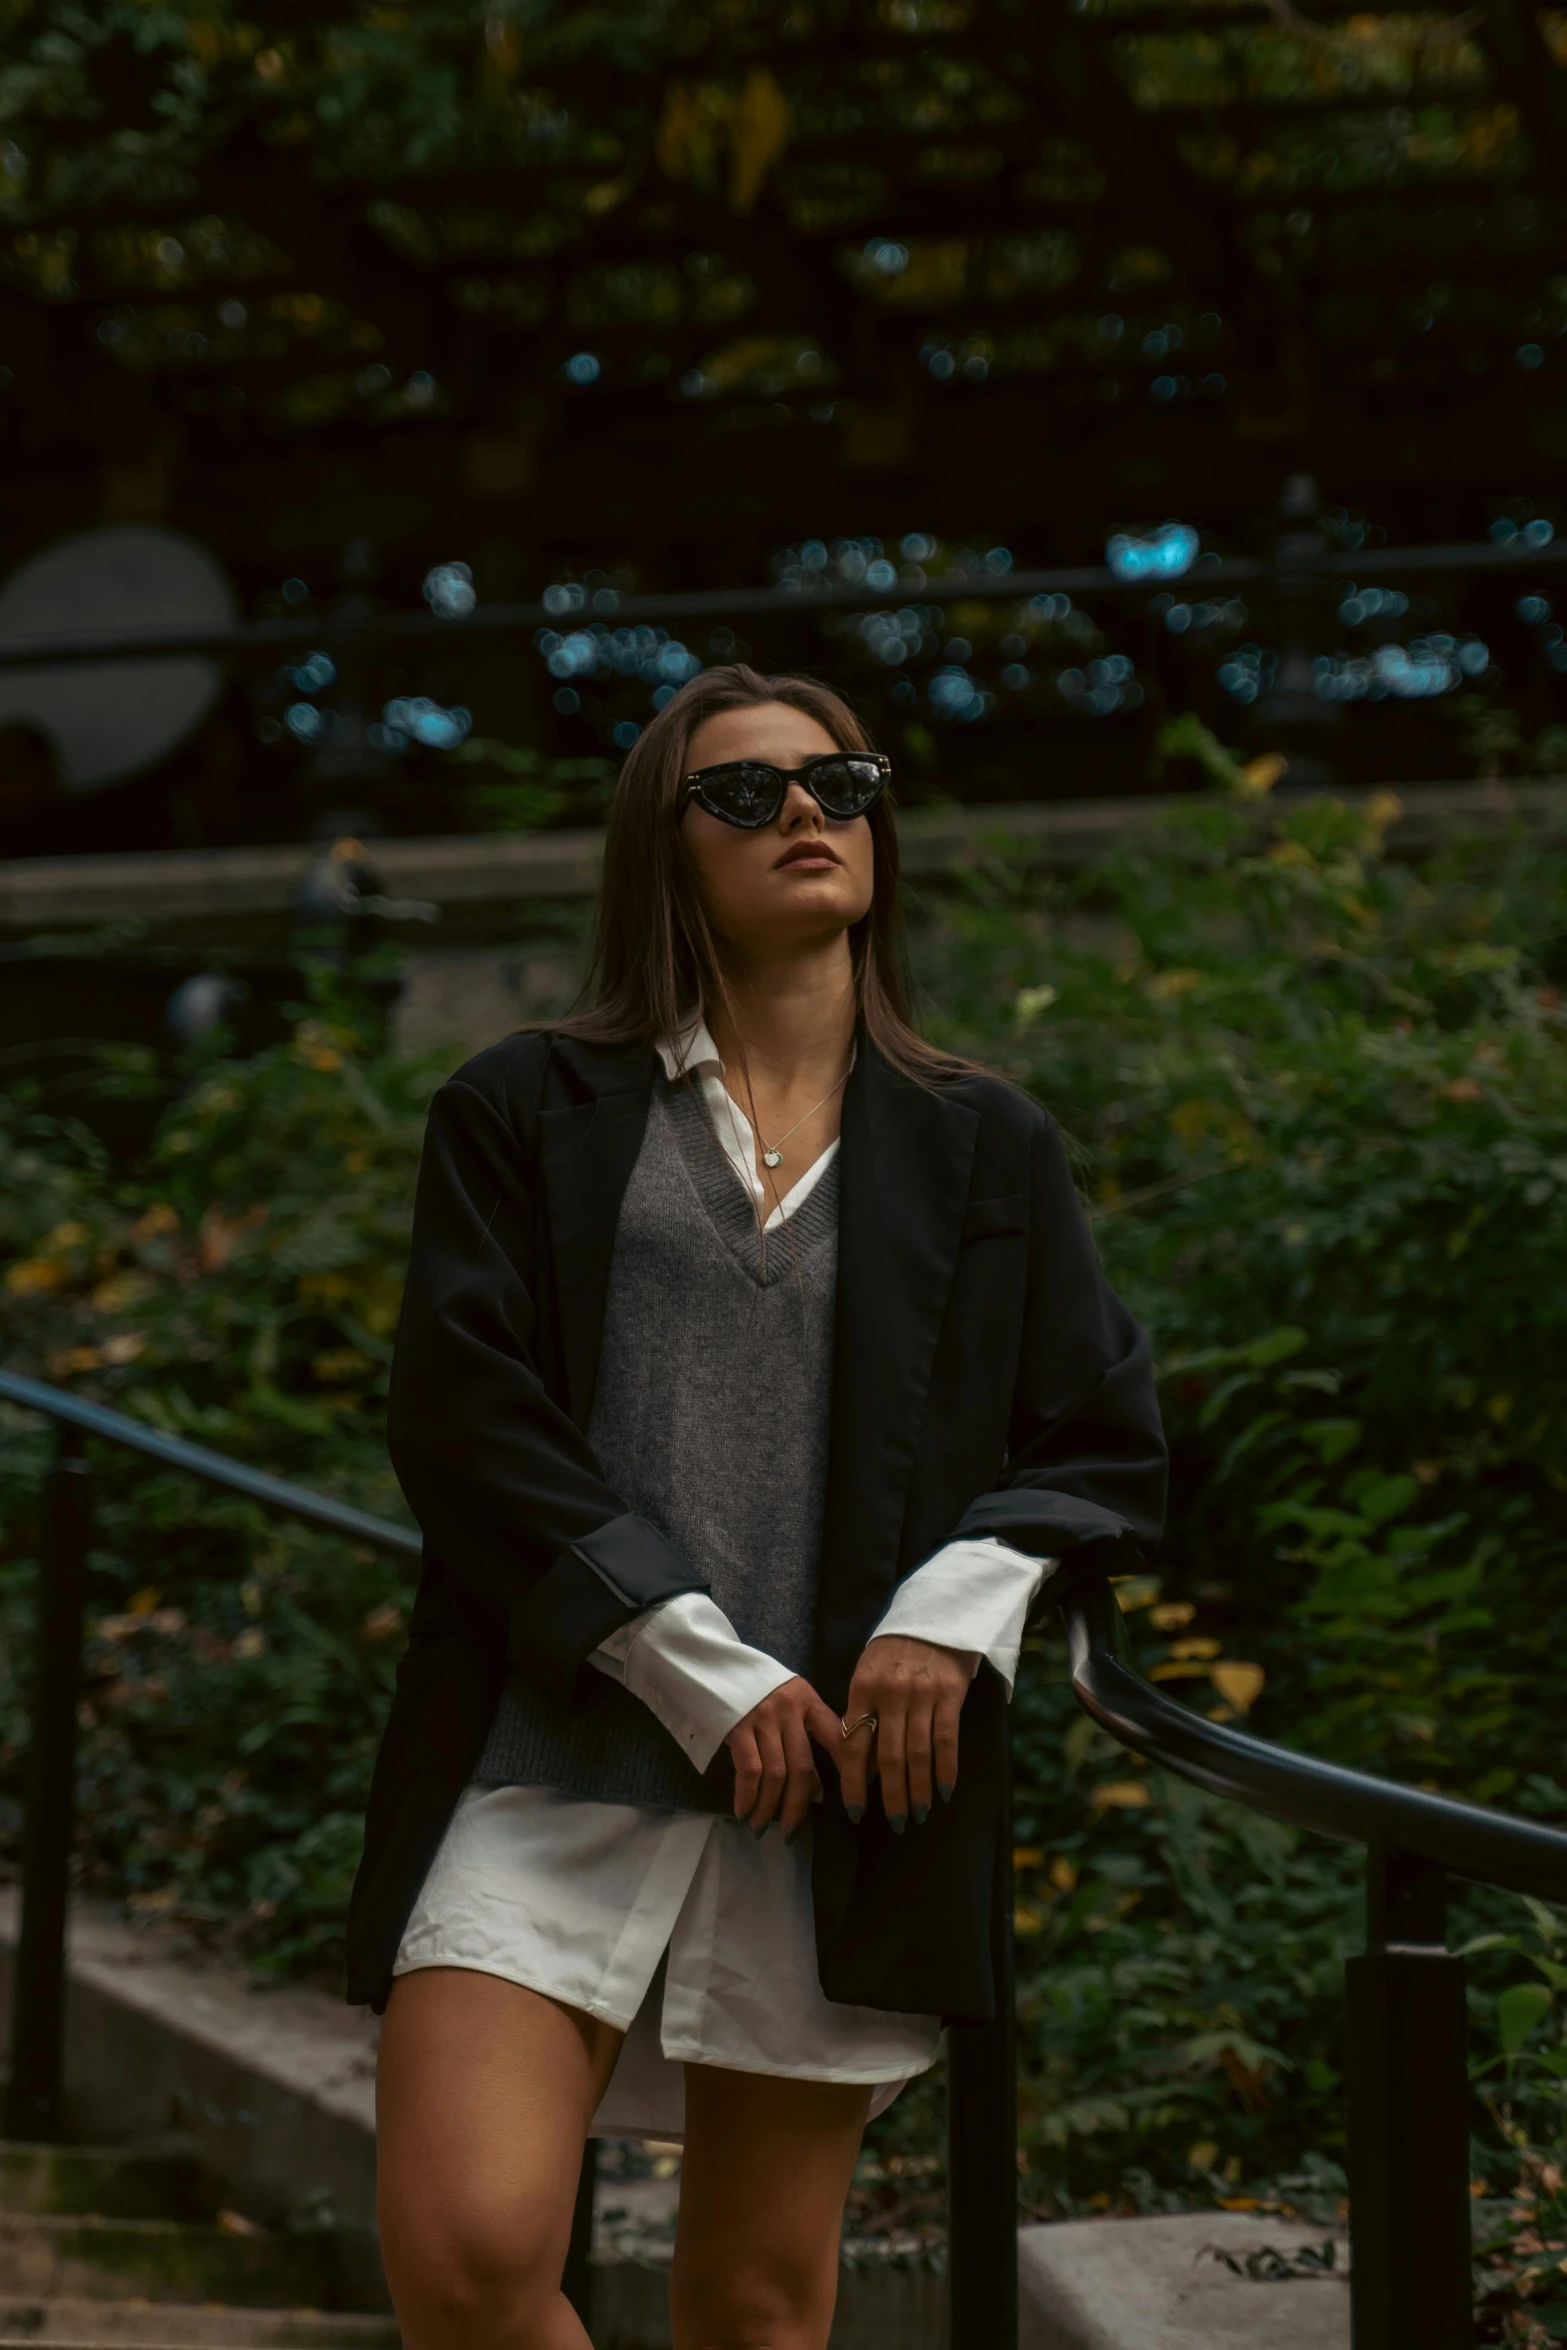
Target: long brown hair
655, 960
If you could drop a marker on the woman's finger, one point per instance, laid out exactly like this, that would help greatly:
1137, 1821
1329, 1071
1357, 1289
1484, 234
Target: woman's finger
824, 1727
748, 1768
854, 1760
800, 1787
891, 1761
769, 1747
919, 1744
949, 1713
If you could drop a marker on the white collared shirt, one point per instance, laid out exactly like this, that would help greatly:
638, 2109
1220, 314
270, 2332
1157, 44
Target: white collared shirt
683, 1658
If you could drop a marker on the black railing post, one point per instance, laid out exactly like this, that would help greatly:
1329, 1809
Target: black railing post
1408, 2087
982, 2141
33, 2097
577, 2281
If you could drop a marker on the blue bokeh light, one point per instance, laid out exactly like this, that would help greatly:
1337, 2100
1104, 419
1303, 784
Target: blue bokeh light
1166, 553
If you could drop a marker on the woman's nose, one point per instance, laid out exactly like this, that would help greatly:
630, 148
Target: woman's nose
798, 808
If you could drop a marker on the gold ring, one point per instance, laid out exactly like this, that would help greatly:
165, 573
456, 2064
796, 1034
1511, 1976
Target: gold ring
860, 1722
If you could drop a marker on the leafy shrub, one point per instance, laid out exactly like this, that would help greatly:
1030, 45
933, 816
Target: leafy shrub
240, 1289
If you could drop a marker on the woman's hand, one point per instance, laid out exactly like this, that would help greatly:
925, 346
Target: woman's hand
916, 1691
775, 1775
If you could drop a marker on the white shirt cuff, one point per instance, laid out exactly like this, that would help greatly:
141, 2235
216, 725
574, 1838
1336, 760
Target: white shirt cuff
690, 1667
973, 1596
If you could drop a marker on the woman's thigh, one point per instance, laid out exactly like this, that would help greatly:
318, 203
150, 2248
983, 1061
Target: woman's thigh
767, 2169
484, 2092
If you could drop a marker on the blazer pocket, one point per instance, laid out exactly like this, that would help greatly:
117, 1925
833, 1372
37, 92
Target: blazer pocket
984, 1218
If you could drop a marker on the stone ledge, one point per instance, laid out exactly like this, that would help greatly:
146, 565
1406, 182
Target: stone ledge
275, 2087
1150, 2284
490, 887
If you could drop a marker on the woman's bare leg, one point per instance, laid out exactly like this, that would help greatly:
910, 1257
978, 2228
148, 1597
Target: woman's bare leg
767, 2168
484, 2092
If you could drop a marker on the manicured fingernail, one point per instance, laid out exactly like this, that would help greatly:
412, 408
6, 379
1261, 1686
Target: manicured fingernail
897, 1821
921, 1814
760, 1832
790, 1835
816, 1793
944, 1790
856, 1812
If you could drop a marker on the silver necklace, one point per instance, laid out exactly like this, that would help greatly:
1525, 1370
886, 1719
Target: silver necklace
772, 1152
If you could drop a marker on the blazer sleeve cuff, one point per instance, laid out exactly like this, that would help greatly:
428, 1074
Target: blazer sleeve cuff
1084, 1536
589, 1590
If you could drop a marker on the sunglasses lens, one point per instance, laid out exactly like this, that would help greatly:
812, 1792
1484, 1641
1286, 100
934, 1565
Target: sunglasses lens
847, 786
745, 792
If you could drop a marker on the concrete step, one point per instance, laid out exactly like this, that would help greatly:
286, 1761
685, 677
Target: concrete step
111, 2182
51, 2257
139, 2325
1198, 2280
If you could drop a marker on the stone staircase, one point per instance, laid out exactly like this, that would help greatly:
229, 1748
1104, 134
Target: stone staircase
108, 2246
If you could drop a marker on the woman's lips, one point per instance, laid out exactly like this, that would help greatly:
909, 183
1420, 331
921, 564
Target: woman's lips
817, 854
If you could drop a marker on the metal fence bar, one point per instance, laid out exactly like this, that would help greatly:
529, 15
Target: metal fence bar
335, 629
1491, 1847
33, 2097
1408, 2081
213, 1468
982, 2291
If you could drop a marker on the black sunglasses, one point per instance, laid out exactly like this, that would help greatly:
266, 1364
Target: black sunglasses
749, 793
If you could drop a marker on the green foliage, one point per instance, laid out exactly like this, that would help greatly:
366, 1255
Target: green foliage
522, 790
1319, 1103
241, 1289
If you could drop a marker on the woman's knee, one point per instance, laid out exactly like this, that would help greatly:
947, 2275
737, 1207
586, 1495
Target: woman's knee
468, 2272
779, 2303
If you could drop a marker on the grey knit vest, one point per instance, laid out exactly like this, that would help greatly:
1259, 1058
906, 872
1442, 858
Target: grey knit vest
710, 1418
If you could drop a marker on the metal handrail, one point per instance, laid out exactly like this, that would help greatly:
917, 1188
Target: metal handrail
214, 1468
1486, 1847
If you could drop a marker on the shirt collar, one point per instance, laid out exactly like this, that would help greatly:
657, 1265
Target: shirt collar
691, 1048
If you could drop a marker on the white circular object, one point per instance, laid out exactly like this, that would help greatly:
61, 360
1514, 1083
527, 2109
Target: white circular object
111, 719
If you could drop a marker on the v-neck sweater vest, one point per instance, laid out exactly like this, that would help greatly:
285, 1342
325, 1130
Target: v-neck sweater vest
710, 1418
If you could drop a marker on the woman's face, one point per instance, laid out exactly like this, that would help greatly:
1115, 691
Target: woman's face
803, 877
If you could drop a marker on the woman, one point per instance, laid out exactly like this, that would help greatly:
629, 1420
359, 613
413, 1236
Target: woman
755, 1375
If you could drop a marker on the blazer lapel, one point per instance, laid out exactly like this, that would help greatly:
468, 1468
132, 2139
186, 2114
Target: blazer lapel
586, 1154
905, 1163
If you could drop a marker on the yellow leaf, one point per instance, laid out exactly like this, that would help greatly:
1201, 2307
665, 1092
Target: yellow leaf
1063, 1873
1194, 1648
1121, 1795
1026, 1856
1239, 1685
1203, 2155
759, 131
1260, 775
1029, 1002
35, 1276
1166, 985
1171, 1614
1135, 1591
1027, 1920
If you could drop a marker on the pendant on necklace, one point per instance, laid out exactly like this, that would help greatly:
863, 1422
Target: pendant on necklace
772, 1158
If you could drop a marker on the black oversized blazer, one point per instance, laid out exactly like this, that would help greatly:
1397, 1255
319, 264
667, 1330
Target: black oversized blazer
986, 1380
